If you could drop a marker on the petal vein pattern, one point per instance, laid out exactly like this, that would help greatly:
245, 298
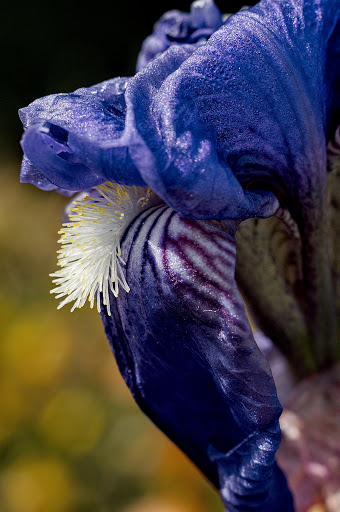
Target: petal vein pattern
185, 348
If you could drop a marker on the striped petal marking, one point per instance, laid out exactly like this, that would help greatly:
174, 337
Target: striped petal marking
185, 349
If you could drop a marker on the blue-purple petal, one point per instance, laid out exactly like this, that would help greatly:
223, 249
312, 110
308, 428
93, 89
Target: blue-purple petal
29, 174
245, 120
252, 101
223, 131
185, 349
176, 27
72, 138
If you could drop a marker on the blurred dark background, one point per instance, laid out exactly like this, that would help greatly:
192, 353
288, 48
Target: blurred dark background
50, 47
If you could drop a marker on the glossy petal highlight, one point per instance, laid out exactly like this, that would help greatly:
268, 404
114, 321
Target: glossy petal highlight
185, 349
249, 106
217, 132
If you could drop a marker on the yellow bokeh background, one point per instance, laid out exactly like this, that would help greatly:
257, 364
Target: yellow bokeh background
71, 437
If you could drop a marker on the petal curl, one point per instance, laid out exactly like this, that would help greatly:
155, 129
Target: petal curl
176, 27
250, 107
72, 138
222, 131
29, 174
82, 139
185, 349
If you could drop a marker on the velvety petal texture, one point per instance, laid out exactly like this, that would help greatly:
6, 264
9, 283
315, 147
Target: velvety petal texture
216, 131
176, 27
245, 119
185, 349
249, 104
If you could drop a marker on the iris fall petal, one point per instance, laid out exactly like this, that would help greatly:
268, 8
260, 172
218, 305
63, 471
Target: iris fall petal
186, 351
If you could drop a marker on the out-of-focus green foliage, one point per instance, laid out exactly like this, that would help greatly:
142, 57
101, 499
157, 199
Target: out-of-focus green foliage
71, 437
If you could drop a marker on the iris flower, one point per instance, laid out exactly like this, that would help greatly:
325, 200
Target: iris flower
218, 141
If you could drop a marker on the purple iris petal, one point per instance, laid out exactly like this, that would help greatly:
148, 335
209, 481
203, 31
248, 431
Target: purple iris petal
223, 130
29, 174
249, 106
217, 132
176, 27
71, 138
185, 349
243, 121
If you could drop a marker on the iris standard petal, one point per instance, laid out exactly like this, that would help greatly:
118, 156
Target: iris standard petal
176, 27
185, 349
223, 131
249, 106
